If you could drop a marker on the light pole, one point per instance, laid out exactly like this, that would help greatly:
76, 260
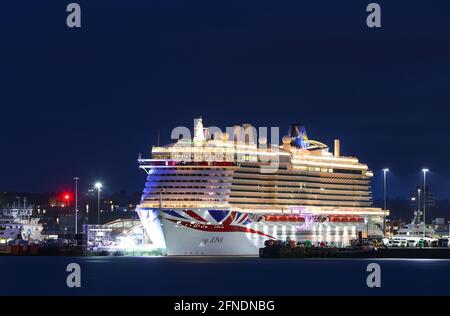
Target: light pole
424, 197
385, 170
366, 221
98, 186
418, 201
76, 204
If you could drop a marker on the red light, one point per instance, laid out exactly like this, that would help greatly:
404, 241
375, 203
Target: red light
66, 197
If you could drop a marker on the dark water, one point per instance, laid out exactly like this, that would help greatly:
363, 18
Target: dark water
221, 276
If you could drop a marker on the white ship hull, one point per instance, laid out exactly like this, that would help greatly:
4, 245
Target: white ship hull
189, 241
225, 232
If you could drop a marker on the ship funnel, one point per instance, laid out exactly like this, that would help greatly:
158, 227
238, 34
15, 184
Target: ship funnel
337, 148
298, 136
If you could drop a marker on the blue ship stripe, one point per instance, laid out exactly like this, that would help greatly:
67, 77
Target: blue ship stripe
218, 215
173, 213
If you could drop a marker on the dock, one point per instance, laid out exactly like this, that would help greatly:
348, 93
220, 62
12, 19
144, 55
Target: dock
357, 252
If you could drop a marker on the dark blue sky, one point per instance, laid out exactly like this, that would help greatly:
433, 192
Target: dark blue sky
86, 101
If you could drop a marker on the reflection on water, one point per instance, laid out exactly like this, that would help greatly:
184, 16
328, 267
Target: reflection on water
222, 276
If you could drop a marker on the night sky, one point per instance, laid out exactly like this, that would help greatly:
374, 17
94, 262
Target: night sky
84, 102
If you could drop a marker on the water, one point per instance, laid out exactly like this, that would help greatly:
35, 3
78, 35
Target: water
221, 276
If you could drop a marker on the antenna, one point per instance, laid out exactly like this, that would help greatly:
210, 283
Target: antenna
158, 137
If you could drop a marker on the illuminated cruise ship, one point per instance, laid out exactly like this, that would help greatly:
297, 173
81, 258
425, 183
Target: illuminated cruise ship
226, 193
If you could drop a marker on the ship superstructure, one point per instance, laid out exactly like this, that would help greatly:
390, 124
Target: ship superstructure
225, 193
17, 222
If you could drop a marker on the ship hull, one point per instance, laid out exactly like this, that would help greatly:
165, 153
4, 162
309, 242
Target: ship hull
193, 242
227, 233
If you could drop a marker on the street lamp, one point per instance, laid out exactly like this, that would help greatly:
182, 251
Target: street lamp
98, 186
385, 170
418, 200
424, 197
76, 204
366, 221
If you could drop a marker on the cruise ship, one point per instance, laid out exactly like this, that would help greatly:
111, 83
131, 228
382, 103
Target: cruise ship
226, 193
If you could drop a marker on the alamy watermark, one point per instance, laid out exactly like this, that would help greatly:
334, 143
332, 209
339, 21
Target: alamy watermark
374, 17
236, 144
74, 277
374, 278
73, 19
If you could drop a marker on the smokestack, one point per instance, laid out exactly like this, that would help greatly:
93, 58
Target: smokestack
298, 136
337, 148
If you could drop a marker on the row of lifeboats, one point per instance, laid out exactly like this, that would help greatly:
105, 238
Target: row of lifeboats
298, 218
